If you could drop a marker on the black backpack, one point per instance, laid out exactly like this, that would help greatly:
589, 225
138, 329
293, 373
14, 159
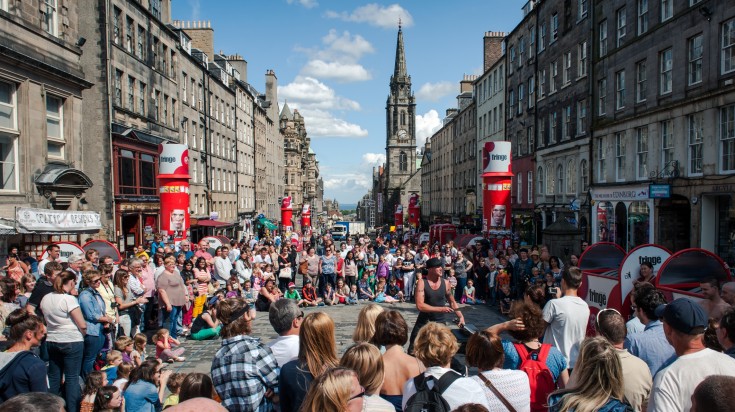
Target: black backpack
430, 400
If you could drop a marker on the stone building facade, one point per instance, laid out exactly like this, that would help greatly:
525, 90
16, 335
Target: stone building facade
133, 60
464, 156
562, 102
664, 94
44, 158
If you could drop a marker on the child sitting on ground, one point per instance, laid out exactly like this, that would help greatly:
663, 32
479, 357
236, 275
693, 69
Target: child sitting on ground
394, 291
381, 297
468, 295
293, 294
505, 299
249, 294
364, 285
174, 386
125, 345
166, 347
342, 292
123, 374
206, 325
138, 355
353, 296
330, 298
114, 358
94, 381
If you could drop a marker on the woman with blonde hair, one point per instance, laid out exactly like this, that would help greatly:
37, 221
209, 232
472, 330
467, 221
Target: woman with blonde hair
596, 383
435, 346
244, 371
365, 328
336, 390
365, 360
317, 353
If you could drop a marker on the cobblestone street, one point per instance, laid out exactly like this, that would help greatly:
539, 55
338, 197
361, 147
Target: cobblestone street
199, 354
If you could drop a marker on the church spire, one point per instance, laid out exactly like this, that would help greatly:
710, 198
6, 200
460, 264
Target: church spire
400, 70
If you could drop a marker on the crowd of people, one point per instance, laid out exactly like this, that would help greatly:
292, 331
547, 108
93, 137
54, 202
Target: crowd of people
81, 331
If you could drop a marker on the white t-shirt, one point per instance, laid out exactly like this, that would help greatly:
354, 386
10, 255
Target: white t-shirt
285, 348
56, 309
567, 318
460, 392
674, 385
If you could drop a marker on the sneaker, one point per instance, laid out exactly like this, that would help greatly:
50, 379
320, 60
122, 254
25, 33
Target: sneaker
180, 359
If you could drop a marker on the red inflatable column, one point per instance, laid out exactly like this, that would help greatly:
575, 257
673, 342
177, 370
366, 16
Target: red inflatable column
399, 216
286, 214
305, 217
414, 211
496, 184
173, 176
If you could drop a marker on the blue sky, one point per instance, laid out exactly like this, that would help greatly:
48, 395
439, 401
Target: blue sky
334, 59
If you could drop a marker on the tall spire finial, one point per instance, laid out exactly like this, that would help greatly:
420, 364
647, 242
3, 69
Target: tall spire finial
400, 68
399, 23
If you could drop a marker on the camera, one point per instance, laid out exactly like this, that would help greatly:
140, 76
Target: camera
113, 305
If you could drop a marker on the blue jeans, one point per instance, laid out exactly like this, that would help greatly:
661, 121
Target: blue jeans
461, 283
92, 347
66, 359
172, 321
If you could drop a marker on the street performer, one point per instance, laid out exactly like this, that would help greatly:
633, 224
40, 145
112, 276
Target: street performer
432, 294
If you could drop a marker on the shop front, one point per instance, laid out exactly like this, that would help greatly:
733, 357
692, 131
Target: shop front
717, 224
622, 215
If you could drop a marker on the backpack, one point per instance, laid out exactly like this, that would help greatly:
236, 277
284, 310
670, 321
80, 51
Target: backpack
539, 375
430, 400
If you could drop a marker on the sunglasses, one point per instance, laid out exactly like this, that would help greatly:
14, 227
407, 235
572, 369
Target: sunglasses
606, 310
359, 395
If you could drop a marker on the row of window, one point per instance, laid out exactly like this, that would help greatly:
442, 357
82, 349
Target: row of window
227, 209
491, 122
162, 110
561, 181
134, 38
491, 85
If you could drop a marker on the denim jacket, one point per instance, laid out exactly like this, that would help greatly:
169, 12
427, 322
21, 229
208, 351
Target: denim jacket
93, 308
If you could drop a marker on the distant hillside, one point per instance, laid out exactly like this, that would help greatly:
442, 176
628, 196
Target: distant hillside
347, 206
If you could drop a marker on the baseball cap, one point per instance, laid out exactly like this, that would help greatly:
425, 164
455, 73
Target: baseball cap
684, 315
433, 263
291, 285
534, 253
307, 281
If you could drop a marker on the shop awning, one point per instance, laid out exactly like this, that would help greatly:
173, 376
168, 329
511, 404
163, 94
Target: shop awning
267, 223
213, 223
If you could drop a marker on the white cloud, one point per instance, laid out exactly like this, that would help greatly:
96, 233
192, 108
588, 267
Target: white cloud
340, 72
433, 92
321, 123
376, 15
345, 46
373, 159
306, 3
310, 93
426, 126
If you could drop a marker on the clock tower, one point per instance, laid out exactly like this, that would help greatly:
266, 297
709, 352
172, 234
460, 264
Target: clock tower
400, 122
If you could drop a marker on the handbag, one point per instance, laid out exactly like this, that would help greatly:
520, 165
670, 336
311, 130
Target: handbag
285, 273
304, 267
496, 392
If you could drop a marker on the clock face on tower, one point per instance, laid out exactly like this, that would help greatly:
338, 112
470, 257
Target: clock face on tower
402, 134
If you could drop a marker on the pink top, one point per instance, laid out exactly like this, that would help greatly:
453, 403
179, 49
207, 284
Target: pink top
203, 279
16, 272
147, 279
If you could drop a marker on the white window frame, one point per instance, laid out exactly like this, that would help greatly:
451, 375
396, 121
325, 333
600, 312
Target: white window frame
695, 53
554, 27
566, 125
567, 69
541, 179
10, 134
620, 20
531, 91
642, 16
727, 139
560, 179
641, 81
667, 142
541, 83
602, 96
620, 90
519, 187
521, 97
550, 182
584, 175
727, 50
667, 10
695, 141
553, 118
581, 117
620, 156
666, 69
142, 98
582, 59
51, 17
553, 72
601, 161
571, 177
582, 9
55, 140
641, 138
602, 39
529, 195
542, 38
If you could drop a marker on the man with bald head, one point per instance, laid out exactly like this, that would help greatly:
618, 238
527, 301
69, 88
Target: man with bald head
728, 293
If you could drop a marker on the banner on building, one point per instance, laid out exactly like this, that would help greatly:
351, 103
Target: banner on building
286, 213
47, 220
399, 216
173, 176
305, 216
414, 210
496, 185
